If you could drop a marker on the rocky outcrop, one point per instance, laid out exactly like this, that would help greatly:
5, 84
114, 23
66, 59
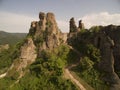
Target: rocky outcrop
51, 24
46, 32
81, 25
28, 53
42, 22
106, 45
114, 33
73, 27
107, 39
27, 56
45, 35
46, 23
33, 28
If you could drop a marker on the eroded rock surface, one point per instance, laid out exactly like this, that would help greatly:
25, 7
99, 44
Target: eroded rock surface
27, 56
46, 32
81, 25
73, 27
106, 45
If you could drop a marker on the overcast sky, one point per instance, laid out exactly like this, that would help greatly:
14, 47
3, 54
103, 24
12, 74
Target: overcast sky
16, 15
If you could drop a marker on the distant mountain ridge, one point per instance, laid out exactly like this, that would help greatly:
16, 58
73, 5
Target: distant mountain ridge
10, 38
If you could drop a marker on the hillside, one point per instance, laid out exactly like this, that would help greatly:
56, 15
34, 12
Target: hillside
48, 59
11, 38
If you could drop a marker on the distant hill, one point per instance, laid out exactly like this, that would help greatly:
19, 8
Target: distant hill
11, 38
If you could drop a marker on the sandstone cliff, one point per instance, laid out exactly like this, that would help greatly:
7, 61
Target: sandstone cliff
107, 40
27, 57
106, 46
43, 35
46, 32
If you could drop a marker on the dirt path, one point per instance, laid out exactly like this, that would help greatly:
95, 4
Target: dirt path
71, 77
3, 75
76, 51
67, 73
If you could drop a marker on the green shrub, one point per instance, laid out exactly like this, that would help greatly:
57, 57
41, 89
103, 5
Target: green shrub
86, 64
8, 56
95, 29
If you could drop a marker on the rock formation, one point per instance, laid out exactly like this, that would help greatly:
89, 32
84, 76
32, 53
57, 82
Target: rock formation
114, 33
42, 22
106, 46
108, 41
81, 25
46, 32
27, 57
33, 28
45, 35
73, 27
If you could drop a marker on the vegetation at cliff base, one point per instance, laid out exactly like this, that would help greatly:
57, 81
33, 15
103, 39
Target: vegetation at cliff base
7, 57
90, 58
45, 73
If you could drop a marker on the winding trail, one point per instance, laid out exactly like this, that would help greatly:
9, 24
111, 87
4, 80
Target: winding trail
73, 79
69, 75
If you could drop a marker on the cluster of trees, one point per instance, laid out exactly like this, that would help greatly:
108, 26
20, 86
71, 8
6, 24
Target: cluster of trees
88, 69
46, 73
7, 57
88, 66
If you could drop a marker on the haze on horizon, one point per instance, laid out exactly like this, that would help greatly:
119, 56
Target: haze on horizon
16, 15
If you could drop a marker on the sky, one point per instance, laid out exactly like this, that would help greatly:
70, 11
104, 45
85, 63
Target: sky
16, 15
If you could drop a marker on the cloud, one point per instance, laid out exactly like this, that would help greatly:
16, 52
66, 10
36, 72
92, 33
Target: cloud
93, 19
63, 25
12, 22
103, 18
